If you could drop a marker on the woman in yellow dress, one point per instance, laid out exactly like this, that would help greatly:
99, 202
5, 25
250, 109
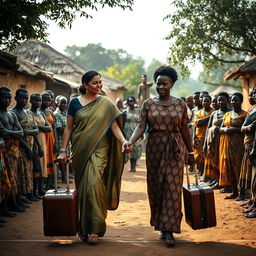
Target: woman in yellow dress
232, 145
94, 126
201, 122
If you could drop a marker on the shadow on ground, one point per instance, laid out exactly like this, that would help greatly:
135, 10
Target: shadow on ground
114, 248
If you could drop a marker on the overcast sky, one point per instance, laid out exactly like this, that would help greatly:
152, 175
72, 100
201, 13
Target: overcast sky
140, 32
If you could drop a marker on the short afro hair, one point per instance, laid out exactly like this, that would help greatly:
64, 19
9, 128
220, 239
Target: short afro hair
239, 95
166, 71
224, 94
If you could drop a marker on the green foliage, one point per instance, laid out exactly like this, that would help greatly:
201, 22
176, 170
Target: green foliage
95, 56
130, 75
186, 87
23, 19
152, 67
207, 31
214, 77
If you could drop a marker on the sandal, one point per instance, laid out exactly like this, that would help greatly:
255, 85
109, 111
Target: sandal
240, 198
247, 204
232, 196
226, 189
251, 214
93, 238
169, 239
249, 209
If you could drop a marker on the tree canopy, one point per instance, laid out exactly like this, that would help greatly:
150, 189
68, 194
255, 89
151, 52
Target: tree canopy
130, 75
97, 57
211, 31
25, 19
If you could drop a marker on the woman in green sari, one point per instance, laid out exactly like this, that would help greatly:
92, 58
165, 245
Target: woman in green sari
94, 127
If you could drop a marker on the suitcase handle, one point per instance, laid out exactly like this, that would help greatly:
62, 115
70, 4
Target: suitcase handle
196, 176
56, 163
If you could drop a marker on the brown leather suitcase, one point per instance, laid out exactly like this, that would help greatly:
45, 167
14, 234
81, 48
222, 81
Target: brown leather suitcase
60, 211
199, 204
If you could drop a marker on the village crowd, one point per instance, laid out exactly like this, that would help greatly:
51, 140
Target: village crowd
223, 136
30, 140
224, 144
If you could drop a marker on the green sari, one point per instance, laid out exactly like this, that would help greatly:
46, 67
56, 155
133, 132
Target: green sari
97, 159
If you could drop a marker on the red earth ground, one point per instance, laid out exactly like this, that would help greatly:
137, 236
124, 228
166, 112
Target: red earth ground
129, 232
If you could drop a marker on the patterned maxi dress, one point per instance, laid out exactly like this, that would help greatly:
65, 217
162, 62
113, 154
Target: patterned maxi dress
130, 125
7, 177
25, 165
165, 156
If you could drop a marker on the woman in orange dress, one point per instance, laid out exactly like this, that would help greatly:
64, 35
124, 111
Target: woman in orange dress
231, 145
50, 138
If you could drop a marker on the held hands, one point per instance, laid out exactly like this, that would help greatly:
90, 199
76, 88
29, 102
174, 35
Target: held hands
62, 157
251, 127
227, 130
127, 147
190, 160
40, 152
29, 153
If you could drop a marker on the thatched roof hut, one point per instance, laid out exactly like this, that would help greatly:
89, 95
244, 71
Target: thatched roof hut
244, 70
22, 66
228, 89
16, 73
63, 68
247, 72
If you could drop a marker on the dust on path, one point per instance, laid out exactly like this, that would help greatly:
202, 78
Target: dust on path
129, 233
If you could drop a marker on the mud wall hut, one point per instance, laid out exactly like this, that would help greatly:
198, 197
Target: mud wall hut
247, 73
16, 73
67, 73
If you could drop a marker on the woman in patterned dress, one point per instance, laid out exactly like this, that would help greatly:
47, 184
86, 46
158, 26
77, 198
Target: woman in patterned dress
231, 145
167, 146
132, 116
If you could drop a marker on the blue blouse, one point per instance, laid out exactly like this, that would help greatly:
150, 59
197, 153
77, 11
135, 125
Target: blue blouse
73, 106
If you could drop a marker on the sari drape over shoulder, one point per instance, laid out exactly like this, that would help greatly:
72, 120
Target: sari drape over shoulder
98, 163
231, 150
246, 166
200, 134
211, 147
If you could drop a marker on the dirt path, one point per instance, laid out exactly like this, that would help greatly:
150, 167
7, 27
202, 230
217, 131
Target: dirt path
129, 233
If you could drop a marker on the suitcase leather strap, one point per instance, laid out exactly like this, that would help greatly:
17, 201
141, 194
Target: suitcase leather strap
204, 219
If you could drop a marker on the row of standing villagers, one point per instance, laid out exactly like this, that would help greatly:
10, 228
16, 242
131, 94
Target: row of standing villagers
225, 145
29, 141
